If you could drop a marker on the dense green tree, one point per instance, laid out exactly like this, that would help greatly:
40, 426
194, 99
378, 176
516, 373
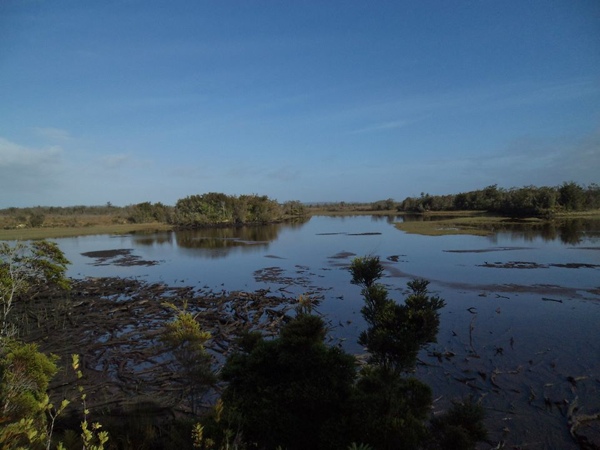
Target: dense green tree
384, 205
460, 428
221, 209
516, 202
24, 377
571, 196
147, 212
292, 391
396, 331
36, 220
389, 411
295, 392
366, 270
294, 208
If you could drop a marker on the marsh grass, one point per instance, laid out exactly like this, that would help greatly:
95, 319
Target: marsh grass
478, 223
47, 232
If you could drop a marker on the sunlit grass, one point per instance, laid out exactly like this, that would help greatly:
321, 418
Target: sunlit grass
478, 223
446, 227
60, 232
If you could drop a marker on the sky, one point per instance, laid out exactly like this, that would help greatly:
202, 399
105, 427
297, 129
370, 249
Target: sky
140, 100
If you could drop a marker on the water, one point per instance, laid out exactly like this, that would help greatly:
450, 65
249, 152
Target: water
322, 248
522, 313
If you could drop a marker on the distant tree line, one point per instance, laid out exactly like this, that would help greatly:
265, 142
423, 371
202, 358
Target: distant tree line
291, 391
524, 201
193, 211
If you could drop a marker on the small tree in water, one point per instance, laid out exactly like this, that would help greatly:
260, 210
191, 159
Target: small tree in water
396, 332
366, 270
395, 408
296, 392
185, 339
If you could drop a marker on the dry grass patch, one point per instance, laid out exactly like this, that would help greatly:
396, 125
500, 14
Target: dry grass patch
24, 234
475, 224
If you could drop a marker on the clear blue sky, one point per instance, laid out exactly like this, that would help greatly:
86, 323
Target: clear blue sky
131, 101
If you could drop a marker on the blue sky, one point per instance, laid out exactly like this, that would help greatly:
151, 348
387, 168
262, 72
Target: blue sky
131, 101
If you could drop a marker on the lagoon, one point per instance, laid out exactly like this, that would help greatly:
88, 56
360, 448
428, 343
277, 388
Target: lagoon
519, 331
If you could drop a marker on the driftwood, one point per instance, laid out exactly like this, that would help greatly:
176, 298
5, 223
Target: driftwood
114, 324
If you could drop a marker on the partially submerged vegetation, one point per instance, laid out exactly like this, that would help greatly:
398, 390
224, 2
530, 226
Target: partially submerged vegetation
490, 210
196, 211
477, 212
565, 226
292, 390
214, 209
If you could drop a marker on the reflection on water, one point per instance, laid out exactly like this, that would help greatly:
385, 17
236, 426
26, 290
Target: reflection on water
568, 231
220, 242
526, 298
387, 219
153, 239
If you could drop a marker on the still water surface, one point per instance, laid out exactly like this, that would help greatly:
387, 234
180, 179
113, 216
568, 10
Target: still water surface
522, 313
230, 256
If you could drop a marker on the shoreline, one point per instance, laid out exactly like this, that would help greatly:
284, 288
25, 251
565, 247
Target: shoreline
431, 223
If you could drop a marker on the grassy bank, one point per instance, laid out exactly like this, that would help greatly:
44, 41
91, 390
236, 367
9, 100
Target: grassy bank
479, 223
431, 223
60, 232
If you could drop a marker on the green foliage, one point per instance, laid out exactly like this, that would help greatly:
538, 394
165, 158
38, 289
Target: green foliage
396, 332
221, 209
24, 371
460, 428
571, 196
296, 392
25, 407
23, 267
91, 436
185, 339
291, 391
24, 377
294, 208
366, 270
389, 411
147, 212
516, 202
384, 205
36, 220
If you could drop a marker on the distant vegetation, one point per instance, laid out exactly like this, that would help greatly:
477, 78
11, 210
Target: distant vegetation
211, 209
292, 391
526, 201
220, 209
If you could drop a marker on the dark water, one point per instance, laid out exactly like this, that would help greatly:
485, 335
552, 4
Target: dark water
520, 332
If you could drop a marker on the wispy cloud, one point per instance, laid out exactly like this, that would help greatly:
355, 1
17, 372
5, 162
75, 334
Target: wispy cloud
284, 174
25, 169
536, 161
52, 134
384, 126
114, 161
418, 106
14, 155
118, 161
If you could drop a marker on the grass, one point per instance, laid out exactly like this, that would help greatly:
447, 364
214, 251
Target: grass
479, 223
72, 231
439, 223
478, 226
